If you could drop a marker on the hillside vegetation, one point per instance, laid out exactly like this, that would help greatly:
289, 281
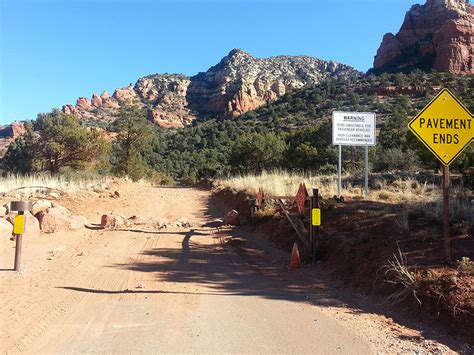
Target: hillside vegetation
293, 133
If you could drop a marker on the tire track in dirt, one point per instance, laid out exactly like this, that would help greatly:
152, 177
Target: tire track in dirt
41, 319
110, 279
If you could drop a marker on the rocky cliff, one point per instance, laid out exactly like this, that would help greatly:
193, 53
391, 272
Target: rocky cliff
241, 83
437, 35
237, 84
9, 133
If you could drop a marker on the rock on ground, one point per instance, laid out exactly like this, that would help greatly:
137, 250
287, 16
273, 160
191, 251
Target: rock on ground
112, 221
54, 219
232, 218
41, 205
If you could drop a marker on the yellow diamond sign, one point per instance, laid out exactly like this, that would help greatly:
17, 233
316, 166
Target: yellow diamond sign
445, 126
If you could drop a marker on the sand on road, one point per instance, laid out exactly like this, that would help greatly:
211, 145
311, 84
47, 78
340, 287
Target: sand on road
167, 290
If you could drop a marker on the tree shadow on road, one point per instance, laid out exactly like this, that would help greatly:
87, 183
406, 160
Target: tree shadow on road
225, 265
229, 267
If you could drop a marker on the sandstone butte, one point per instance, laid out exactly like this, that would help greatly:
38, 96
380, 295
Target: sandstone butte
237, 84
438, 35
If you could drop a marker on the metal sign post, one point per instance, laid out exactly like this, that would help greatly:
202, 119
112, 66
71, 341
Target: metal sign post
366, 190
339, 173
445, 127
446, 234
19, 228
356, 129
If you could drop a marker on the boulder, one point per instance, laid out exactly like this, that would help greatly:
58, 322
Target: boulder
63, 210
111, 221
231, 218
41, 205
54, 219
77, 222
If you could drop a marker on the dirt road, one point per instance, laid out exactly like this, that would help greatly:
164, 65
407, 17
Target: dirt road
172, 290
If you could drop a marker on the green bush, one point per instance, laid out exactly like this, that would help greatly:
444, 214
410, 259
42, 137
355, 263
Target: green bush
395, 159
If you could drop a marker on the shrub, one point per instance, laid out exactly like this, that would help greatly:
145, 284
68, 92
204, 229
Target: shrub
396, 159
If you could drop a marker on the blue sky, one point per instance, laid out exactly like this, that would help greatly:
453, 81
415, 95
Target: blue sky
54, 51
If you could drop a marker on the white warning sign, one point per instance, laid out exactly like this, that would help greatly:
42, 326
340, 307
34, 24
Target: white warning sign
353, 128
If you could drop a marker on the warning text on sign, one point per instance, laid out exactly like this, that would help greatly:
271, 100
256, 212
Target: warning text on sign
445, 124
353, 128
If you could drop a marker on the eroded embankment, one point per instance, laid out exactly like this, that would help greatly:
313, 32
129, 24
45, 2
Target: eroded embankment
383, 248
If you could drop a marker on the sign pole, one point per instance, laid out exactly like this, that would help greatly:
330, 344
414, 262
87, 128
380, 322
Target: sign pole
339, 173
447, 237
366, 171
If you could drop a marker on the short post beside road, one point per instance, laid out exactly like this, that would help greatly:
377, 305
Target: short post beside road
19, 228
314, 228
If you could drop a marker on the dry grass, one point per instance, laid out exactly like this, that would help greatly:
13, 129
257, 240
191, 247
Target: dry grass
405, 190
13, 183
283, 183
403, 280
466, 265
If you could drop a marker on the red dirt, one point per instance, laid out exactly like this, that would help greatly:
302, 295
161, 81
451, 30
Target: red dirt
358, 238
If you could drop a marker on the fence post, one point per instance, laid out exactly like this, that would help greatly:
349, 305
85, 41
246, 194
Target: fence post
19, 228
314, 230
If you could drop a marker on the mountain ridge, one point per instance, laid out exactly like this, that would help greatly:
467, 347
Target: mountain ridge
238, 83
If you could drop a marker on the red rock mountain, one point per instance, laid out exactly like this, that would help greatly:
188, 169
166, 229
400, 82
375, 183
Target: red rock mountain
437, 35
237, 84
9, 133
